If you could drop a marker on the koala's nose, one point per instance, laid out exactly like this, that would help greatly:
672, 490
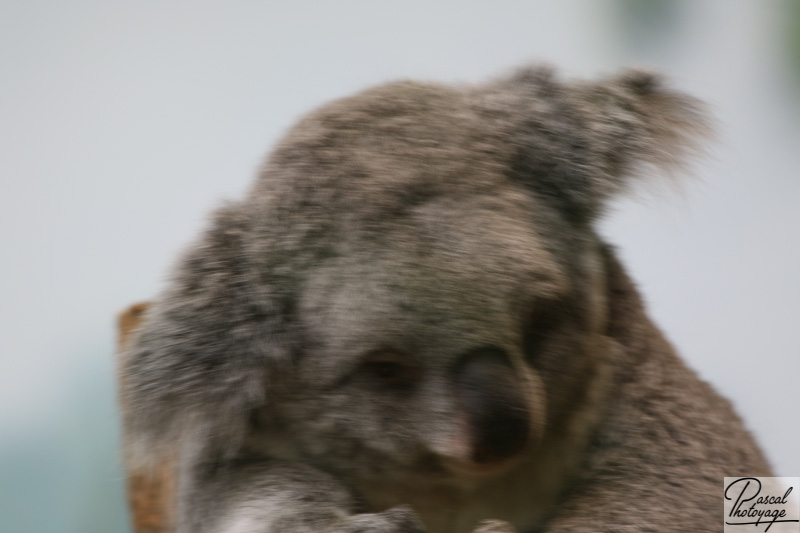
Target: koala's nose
491, 395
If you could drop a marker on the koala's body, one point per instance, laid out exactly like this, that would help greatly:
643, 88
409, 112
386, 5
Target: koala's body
410, 324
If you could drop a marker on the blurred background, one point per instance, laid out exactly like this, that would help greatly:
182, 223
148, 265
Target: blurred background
123, 123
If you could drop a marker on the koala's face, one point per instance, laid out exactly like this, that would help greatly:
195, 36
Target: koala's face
453, 314
413, 285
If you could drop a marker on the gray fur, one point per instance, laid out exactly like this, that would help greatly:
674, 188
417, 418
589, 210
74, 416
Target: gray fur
445, 232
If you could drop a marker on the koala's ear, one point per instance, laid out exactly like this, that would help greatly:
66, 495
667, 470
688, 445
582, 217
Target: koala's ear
578, 143
200, 359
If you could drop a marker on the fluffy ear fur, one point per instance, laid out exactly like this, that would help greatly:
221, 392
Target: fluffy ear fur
202, 355
578, 143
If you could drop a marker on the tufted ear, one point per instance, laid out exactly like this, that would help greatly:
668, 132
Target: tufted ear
199, 361
577, 144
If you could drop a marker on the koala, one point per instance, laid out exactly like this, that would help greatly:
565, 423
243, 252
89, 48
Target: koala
410, 324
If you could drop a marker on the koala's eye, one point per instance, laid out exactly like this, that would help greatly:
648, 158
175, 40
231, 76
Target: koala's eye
390, 368
540, 326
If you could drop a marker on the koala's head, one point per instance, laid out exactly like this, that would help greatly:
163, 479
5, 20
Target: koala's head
413, 282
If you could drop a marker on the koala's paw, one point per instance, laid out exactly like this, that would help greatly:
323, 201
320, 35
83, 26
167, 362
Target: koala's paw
494, 526
394, 520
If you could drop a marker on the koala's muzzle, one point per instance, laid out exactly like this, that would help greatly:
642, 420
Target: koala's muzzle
494, 405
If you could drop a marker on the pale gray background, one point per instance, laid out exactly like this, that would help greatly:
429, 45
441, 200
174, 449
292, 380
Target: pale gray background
123, 123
